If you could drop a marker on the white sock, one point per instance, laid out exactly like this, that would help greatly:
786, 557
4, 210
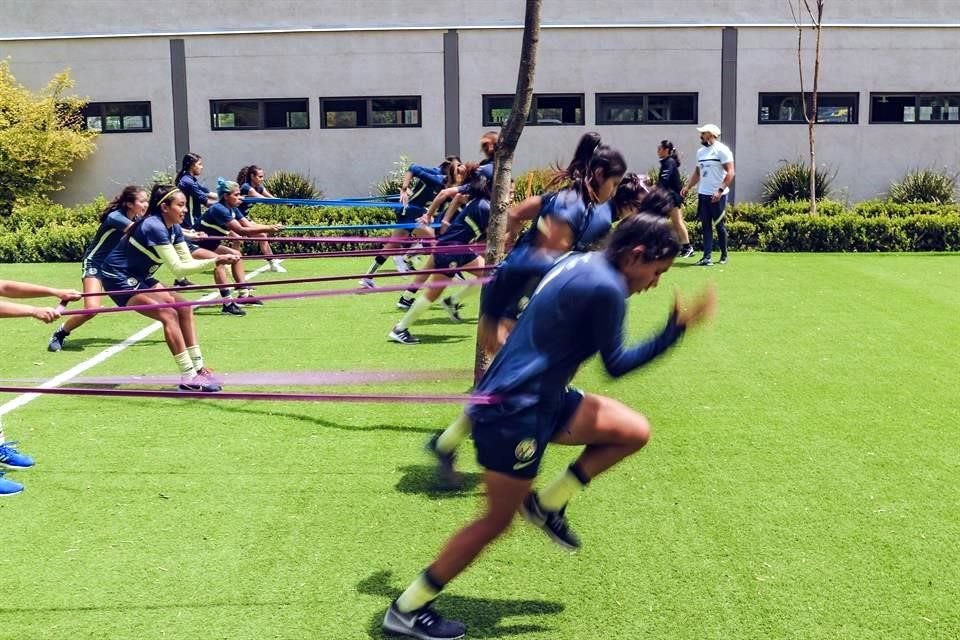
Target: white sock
196, 356
465, 292
417, 309
454, 434
185, 364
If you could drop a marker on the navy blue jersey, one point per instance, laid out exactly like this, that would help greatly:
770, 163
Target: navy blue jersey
669, 175
589, 222
431, 182
245, 189
135, 255
197, 195
469, 225
577, 311
107, 236
214, 220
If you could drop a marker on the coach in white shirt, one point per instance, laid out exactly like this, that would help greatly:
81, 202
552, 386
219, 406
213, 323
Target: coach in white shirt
714, 172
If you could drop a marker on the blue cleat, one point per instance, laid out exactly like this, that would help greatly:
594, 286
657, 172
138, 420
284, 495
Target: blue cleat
9, 487
13, 459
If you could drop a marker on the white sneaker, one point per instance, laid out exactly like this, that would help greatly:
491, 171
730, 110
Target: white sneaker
401, 264
275, 266
367, 283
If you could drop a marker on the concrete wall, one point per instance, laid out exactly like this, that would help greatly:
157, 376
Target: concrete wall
396, 61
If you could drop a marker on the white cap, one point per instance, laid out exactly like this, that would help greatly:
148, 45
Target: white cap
710, 128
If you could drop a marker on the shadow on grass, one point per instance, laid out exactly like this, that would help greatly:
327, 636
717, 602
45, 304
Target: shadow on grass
483, 616
422, 479
320, 422
79, 344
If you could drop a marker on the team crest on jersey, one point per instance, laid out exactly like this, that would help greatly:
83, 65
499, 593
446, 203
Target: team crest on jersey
526, 449
92, 272
132, 282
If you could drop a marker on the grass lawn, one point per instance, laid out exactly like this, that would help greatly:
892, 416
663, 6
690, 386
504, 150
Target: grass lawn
802, 481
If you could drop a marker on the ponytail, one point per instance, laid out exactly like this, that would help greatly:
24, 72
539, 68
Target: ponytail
186, 164
120, 202
671, 150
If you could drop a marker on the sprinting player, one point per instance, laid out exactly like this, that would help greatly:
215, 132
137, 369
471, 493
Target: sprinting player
198, 197
127, 274
468, 227
453, 193
10, 457
219, 222
578, 311
430, 180
253, 185
669, 180
115, 219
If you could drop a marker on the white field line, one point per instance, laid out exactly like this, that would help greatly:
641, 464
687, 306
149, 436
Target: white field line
107, 353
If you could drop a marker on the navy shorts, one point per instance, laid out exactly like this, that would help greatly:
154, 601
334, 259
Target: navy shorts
452, 260
89, 270
514, 445
112, 282
210, 244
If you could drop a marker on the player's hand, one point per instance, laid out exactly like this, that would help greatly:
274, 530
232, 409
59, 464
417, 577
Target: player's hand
425, 219
683, 192
276, 227
227, 259
700, 309
45, 314
67, 295
404, 197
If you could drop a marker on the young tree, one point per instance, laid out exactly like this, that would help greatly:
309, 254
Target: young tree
41, 136
507, 145
797, 8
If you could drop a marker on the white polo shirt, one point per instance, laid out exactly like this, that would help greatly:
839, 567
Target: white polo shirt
711, 160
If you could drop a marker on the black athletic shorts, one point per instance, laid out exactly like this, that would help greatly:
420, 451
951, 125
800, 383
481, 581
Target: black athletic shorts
112, 282
514, 445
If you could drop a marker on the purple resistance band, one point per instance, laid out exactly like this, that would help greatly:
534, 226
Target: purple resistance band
275, 296
369, 253
276, 378
256, 395
263, 283
329, 240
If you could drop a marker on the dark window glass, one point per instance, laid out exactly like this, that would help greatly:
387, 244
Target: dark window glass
260, 114
911, 108
546, 109
117, 117
646, 108
784, 108
386, 111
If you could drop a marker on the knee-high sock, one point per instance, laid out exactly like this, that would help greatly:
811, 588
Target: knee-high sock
454, 434
420, 593
559, 492
417, 309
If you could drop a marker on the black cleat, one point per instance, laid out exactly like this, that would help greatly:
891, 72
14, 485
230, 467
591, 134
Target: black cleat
704, 262
403, 336
448, 474
233, 309
404, 303
424, 623
452, 309
182, 282
723, 259
686, 252
57, 340
553, 523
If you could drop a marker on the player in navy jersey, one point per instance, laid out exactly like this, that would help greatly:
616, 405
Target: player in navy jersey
469, 226
577, 312
429, 181
220, 222
153, 241
253, 185
115, 219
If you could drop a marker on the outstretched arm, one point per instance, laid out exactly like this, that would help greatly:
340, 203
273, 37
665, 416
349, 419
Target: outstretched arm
14, 289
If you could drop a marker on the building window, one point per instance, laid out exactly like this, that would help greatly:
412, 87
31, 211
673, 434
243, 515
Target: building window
117, 117
547, 109
389, 111
786, 108
646, 108
271, 113
914, 108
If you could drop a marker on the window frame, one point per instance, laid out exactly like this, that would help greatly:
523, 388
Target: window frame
532, 118
645, 100
917, 95
820, 94
102, 108
368, 103
261, 114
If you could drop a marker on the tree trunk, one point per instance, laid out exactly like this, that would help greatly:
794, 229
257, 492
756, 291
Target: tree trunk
503, 155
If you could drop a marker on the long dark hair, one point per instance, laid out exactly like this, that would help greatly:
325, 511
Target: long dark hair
449, 169
671, 150
605, 162
158, 193
246, 173
478, 182
126, 197
654, 232
586, 146
186, 164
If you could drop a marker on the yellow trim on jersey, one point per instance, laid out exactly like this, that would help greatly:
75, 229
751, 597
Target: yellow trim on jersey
150, 254
99, 244
204, 223
473, 225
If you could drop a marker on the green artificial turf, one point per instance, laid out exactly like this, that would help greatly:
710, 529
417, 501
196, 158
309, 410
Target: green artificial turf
801, 481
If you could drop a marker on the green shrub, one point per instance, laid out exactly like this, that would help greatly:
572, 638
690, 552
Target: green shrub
759, 214
925, 185
40, 213
533, 182
933, 232
889, 209
390, 184
791, 181
845, 232
290, 184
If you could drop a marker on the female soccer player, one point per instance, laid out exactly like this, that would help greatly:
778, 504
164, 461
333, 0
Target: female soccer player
219, 222
577, 311
115, 219
669, 180
153, 241
10, 458
252, 185
468, 227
